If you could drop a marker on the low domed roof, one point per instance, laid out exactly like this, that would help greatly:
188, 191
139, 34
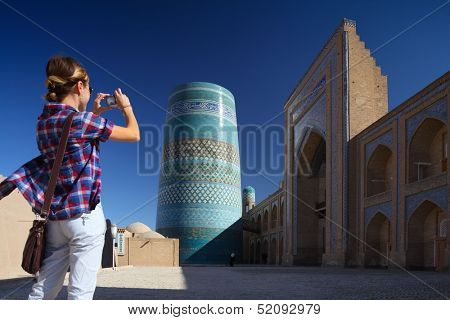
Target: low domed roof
150, 235
137, 227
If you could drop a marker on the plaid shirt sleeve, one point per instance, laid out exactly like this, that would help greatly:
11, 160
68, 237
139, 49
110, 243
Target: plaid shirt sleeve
6, 187
91, 126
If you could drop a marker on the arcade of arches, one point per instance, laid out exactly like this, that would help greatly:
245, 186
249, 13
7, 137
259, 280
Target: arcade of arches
266, 247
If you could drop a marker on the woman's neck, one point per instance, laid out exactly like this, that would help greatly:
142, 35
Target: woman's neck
72, 101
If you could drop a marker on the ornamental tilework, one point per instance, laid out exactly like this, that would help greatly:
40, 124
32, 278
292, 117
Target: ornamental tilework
306, 100
385, 139
410, 107
315, 118
438, 196
200, 199
203, 90
333, 179
202, 107
195, 216
437, 110
385, 208
210, 171
201, 148
200, 193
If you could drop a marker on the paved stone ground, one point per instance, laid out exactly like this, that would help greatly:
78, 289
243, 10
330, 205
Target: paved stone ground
254, 282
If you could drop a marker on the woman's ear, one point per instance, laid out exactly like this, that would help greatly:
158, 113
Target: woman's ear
80, 86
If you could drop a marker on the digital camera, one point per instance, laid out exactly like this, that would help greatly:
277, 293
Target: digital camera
111, 101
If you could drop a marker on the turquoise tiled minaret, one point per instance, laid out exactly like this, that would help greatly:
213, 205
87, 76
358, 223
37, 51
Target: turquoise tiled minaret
200, 185
248, 198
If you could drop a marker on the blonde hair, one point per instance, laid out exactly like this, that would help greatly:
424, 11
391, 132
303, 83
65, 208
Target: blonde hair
62, 74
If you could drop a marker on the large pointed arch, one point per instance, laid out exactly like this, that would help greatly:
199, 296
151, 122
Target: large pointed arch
274, 217
280, 250
379, 171
265, 251
422, 233
273, 251
266, 221
252, 253
311, 197
258, 252
427, 150
377, 241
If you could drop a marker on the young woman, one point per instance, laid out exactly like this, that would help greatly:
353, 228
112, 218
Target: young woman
76, 226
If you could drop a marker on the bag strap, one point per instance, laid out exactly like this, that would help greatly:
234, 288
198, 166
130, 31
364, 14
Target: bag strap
56, 166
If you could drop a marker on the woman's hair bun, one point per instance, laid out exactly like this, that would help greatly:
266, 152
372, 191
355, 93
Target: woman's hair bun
51, 97
62, 73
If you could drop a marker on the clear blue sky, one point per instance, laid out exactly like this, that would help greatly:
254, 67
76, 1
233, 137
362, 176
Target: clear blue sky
257, 49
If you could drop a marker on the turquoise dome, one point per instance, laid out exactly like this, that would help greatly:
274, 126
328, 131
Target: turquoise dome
249, 189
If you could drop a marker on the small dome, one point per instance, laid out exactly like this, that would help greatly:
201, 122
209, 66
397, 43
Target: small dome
248, 189
137, 227
150, 235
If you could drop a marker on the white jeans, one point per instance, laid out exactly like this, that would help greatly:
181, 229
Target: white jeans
78, 243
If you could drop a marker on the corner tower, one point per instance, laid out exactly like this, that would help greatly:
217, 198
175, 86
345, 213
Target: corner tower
248, 199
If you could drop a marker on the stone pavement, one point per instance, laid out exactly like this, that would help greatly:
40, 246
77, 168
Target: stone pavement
254, 282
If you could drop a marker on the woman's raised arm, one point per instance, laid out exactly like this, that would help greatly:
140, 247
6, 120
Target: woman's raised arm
131, 131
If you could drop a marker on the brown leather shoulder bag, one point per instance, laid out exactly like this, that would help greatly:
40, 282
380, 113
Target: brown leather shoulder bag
34, 250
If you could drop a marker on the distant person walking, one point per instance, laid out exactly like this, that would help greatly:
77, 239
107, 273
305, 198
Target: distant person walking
232, 257
76, 224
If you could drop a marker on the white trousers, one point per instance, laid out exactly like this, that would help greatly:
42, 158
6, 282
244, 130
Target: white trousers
78, 243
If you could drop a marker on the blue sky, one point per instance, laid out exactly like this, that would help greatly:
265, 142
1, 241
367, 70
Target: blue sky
256, 49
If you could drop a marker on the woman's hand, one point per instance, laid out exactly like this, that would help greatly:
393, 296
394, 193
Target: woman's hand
97, 108
121, 99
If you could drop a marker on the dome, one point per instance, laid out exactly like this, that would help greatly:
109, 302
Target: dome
249, 189
150, 235
137, 227
128, 234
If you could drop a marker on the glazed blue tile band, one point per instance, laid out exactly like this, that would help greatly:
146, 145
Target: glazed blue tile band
199, 200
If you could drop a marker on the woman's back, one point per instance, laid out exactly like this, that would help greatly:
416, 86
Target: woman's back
79, 179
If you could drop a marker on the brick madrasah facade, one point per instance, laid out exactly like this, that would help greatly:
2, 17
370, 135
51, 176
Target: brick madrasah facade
362, 186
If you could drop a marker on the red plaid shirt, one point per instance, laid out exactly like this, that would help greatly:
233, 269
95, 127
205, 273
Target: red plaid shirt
78, 187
